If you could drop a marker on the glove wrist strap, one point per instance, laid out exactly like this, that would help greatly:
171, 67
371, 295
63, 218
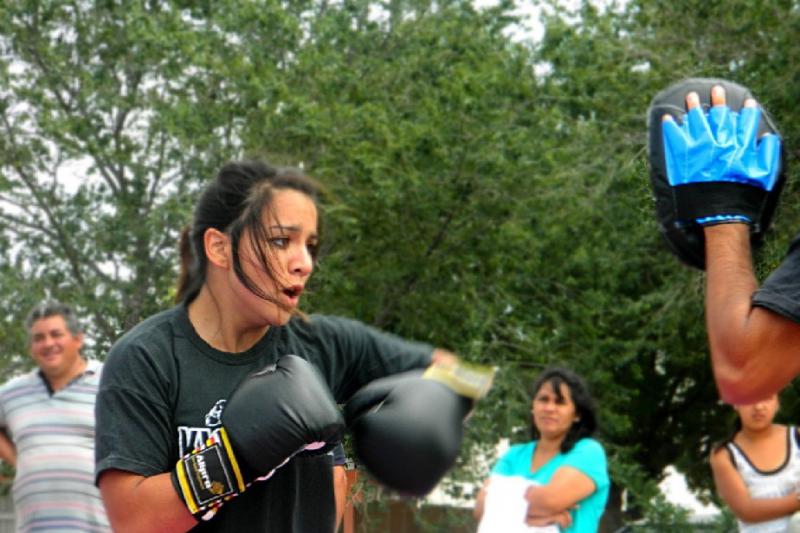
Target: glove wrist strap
208, 476
711, 199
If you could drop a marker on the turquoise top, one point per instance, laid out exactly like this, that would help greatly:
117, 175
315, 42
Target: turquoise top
587, 456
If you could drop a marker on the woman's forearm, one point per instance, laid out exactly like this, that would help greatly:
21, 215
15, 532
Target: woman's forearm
143, 504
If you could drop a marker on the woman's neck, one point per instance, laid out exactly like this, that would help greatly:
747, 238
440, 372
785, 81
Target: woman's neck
758, 435
221, 326
546, 449
549, 445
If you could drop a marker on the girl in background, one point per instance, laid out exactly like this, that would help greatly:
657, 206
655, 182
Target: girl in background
757, 471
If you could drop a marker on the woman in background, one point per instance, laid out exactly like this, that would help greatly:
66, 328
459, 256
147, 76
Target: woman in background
563, 469
757, 471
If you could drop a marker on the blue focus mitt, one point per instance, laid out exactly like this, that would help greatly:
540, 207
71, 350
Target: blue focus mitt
712, 165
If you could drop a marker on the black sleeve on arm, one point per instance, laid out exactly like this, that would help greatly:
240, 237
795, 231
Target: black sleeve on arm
133, 414
780, 292
358, 354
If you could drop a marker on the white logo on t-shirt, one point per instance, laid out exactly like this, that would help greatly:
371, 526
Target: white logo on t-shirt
192, 437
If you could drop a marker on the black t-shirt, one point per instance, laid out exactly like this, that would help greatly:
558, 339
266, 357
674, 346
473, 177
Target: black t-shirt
163, 390
781, 290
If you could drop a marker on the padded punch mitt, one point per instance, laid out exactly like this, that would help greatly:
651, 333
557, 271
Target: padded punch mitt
711, 165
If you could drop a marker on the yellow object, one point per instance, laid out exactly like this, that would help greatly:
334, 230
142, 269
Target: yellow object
467, 379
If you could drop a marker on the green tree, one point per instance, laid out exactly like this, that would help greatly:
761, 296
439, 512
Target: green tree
472, 203
85, 94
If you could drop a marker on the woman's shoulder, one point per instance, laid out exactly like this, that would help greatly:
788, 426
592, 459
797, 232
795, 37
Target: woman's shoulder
149, 336
586, 449
515, 458
721, 455
588, 444
337, 330
143, 359
317, 324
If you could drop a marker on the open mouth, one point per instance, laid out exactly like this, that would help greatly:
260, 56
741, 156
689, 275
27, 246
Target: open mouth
293, 292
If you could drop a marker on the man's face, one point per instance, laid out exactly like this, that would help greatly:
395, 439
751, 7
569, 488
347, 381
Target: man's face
54, 348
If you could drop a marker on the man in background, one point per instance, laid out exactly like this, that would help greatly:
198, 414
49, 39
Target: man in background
47, 428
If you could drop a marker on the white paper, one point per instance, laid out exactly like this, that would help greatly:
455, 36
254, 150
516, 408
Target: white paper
505, 507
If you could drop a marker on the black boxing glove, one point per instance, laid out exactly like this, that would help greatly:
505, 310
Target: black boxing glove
407, 428
273, 415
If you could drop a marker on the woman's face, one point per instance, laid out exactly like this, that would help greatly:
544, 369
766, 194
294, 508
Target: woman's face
553, 415
758, 415
291, 223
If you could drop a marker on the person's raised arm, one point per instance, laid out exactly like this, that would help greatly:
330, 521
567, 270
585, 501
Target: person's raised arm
136, 503
733, 491
8, 452
719, 169
750, 346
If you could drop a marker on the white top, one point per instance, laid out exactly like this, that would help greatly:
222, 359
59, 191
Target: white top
768, 484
